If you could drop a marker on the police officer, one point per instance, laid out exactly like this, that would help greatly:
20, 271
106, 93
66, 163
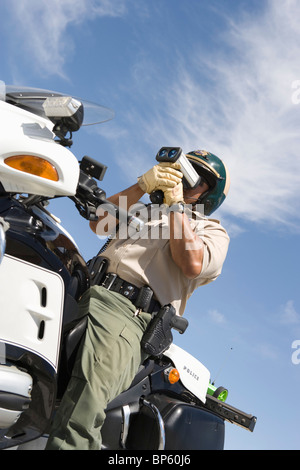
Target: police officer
173, 266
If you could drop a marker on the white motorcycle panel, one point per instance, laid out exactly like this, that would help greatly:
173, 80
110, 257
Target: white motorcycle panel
31, 313
24, 133
193, 374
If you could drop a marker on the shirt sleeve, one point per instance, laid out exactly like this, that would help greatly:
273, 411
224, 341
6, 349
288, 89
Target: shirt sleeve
216, 242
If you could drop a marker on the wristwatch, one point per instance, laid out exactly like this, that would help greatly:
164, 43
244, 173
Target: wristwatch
178, 207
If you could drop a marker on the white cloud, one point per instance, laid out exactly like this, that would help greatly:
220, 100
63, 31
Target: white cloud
289, 315
238, 104
42, 27
216, 317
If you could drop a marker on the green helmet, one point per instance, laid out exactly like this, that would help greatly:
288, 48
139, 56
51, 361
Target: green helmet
216, 174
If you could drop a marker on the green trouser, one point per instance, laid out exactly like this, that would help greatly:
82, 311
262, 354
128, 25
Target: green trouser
105, 365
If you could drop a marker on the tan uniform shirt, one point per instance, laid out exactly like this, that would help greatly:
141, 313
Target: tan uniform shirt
145, 258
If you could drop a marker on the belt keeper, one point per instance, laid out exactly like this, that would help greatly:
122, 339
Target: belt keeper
143, 299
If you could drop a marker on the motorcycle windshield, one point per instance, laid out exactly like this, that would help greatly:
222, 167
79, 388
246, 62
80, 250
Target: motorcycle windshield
33, 99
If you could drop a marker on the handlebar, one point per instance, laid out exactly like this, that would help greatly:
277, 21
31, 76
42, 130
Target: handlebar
89, 196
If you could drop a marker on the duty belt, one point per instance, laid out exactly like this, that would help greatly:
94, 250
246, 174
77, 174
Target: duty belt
141, 297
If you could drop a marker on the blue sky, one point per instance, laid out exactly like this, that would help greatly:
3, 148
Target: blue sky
218, 75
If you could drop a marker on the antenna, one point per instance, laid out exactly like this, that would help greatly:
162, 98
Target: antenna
223, 365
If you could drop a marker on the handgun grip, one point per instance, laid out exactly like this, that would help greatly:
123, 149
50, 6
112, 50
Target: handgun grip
179, 323
158, 335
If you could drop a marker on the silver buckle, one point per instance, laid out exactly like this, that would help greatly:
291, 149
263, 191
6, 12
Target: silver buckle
113, 278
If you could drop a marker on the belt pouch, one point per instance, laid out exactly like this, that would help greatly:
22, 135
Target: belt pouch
143, 299
97, 267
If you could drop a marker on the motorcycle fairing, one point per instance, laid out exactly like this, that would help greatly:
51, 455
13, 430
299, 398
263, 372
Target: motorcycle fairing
31, 314
29, 134
193, 374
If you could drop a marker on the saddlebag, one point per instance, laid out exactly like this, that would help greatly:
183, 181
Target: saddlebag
186, 426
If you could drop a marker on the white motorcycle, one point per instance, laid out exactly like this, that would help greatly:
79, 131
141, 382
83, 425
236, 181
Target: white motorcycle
42, 276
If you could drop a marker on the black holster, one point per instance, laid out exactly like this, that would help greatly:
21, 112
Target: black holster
158, 335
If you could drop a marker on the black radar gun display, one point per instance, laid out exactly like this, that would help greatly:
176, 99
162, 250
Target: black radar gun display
190, 176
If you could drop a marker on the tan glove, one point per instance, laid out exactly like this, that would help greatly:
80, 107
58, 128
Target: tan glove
162, 175
173, 195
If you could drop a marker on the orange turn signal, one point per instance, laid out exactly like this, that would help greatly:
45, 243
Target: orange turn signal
33, 165
172, 375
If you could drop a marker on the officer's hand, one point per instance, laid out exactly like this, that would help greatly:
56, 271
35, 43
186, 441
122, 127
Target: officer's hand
173, 195
163, 175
